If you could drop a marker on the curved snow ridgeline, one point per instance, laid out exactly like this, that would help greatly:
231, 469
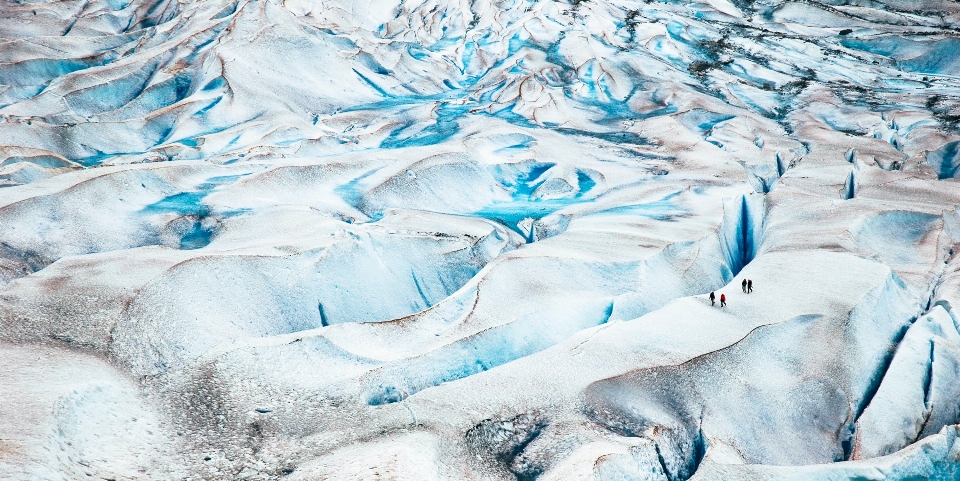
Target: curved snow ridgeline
473, 239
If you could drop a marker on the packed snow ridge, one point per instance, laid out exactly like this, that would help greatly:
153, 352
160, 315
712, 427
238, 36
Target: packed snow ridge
474, 240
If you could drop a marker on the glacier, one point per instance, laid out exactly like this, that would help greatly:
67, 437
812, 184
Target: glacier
475, 239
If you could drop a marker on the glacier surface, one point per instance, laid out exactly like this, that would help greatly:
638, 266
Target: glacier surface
474, 239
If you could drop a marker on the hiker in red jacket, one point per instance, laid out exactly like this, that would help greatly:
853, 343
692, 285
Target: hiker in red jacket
723, 300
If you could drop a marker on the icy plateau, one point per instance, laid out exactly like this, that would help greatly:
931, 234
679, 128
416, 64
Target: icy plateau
474, 240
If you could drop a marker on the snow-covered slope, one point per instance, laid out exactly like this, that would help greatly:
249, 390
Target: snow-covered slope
473, 239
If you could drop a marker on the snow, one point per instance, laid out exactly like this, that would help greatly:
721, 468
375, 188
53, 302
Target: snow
440, 239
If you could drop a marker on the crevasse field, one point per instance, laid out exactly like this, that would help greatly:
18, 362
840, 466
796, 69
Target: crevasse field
473, 240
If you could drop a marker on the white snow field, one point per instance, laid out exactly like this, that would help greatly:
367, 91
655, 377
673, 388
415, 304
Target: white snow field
473, 240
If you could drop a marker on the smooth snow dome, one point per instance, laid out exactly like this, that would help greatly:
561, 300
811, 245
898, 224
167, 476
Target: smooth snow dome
476, 240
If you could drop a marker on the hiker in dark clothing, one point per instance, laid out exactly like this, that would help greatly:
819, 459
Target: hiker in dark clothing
723, 300
743, 285
712, 297
749, 285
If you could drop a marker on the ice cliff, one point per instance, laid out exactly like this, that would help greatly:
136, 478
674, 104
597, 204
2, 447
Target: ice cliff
473, 239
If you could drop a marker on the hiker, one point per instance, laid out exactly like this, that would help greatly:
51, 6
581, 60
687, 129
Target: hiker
749, 286
712, 297
723, 300
743, 285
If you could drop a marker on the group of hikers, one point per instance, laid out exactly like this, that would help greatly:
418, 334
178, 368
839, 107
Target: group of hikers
746, 285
